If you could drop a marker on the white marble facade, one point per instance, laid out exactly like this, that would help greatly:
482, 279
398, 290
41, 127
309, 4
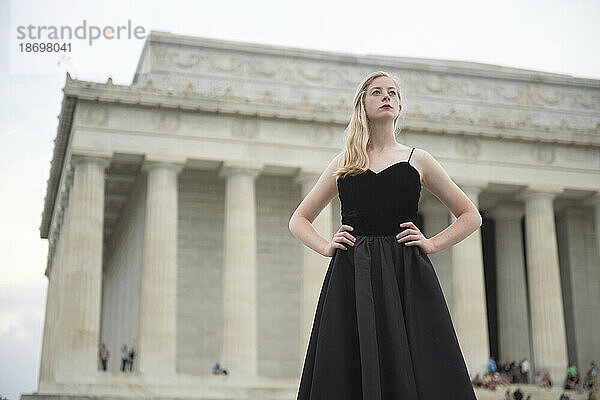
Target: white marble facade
168, 203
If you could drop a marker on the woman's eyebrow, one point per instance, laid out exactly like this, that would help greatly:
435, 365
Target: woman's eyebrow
377, 87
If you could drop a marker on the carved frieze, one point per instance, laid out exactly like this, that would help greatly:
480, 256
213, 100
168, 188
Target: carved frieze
544, 153
199, 63
468, 147
246, 128
165, 120
96, 115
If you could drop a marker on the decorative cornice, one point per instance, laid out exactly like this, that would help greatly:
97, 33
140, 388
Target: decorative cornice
58, 159
466, 68
449, 122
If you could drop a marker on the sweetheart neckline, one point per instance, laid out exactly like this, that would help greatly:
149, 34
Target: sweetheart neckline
396, 163
389, 167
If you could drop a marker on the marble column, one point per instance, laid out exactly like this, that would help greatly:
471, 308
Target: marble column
314, 265
436, 216
594, 202
590, 246
545, 294
579, 283
45, 371
79, 273
468, 293
513, 318
239, 352
56, 251
157, 338
47, 366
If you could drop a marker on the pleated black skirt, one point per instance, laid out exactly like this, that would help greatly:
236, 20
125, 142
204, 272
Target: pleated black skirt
382, 329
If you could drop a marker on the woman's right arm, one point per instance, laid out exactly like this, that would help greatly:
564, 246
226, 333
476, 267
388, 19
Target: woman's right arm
322, 193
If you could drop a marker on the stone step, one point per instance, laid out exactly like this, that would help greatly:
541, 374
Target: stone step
536, 392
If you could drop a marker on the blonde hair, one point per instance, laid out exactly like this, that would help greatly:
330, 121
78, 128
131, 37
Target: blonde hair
358, 133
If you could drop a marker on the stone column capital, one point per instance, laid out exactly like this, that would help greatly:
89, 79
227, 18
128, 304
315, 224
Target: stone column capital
472, 189
470, 186
307, 177
148, 165
229, 168
507, 211
100, 159
540, 191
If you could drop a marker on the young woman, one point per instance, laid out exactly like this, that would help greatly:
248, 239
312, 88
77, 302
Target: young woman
382, 329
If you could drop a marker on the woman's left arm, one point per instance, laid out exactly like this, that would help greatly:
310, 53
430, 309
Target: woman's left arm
436, 180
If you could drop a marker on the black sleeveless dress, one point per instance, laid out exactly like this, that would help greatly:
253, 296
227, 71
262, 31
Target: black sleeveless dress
382, 329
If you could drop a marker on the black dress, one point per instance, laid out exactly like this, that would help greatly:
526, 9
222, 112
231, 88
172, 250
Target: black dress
382, 329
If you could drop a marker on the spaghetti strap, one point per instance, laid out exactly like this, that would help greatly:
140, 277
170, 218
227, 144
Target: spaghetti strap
413, 149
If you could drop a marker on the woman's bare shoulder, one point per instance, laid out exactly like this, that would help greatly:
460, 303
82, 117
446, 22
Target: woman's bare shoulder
336, 162
419, 160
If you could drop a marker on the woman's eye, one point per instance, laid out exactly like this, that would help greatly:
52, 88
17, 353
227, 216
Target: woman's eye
377, 91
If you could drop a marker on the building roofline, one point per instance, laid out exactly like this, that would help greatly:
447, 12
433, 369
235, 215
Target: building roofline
456, 67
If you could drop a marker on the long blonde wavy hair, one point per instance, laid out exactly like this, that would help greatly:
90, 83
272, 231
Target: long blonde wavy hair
358, 133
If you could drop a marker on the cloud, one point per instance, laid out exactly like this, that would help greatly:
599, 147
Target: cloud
21, 326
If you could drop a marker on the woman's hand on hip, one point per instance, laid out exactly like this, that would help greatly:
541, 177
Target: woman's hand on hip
412, 236
341, 236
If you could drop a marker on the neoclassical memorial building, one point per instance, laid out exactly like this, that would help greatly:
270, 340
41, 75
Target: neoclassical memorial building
168, 204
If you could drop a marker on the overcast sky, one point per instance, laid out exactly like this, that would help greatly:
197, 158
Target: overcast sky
552, 36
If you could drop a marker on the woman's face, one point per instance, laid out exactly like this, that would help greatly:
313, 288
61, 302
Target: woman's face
382, 91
